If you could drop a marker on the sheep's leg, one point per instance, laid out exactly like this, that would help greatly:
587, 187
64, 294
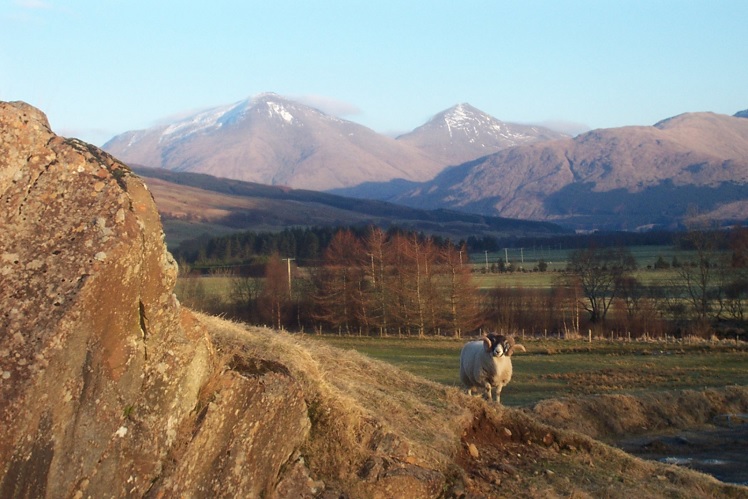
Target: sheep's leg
494, 392
489, 394
498, 392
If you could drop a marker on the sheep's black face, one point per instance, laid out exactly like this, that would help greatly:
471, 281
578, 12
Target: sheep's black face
498, 343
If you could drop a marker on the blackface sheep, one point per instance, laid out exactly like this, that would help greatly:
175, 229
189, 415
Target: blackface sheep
487, 364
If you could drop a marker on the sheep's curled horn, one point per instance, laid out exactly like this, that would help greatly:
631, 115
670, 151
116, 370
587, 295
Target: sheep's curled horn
510, 345
507, 346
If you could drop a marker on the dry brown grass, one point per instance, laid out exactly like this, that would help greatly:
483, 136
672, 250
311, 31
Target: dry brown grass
360, 407
357, 405
608, 417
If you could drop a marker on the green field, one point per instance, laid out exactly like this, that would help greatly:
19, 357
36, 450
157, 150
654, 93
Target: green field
219, 285
556, 258
557, 368
528, 259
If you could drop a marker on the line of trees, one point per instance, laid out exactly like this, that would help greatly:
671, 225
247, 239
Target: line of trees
244, 251
376, 282
401, 282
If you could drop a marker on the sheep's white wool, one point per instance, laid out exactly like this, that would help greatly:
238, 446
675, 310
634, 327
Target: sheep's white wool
487, 364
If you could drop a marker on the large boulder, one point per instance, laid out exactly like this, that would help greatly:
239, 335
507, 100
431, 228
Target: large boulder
108, 387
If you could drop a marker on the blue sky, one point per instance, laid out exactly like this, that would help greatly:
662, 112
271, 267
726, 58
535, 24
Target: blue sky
102, 67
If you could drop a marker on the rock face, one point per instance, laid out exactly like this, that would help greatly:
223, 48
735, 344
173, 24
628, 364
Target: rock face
108, 388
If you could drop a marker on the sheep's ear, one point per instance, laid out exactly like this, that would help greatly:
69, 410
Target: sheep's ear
487, 344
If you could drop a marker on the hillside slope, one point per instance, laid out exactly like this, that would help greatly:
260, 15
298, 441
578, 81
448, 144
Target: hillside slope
379, 430
191, 204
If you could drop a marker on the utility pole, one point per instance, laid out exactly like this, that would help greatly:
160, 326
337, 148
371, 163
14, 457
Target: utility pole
506, 256
289, 276
486, 252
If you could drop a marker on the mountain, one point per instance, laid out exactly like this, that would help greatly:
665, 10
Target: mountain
610, 178
463, 133
191, 204
271, 140
742, 114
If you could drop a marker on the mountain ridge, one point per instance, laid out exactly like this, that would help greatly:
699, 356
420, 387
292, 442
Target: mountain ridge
694, 150
463, 159
272, 140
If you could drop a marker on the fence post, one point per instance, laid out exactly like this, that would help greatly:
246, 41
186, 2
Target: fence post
589, 335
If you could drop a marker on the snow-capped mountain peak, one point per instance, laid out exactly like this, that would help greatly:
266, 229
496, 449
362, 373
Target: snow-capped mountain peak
270, 139
471, 121
273, 140
203, 120
463, 131
215, 118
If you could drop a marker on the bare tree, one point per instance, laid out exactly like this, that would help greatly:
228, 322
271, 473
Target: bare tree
338, 296
463, 311
701, 274
599, 273
244, 294
736, 290
404, 283
274, 298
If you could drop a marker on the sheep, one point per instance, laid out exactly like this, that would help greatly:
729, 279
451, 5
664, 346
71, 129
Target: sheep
487, 363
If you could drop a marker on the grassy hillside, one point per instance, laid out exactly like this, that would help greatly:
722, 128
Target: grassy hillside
369, 417
191, 204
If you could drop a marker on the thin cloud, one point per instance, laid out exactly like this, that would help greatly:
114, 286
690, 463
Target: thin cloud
33, 4
567, 127
179, 116
329, 105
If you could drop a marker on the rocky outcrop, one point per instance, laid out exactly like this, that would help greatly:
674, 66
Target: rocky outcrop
108, 387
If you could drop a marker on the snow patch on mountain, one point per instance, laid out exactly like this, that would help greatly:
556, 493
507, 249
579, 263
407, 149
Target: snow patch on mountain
196, 123
474, 124
278, 109
218, 117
